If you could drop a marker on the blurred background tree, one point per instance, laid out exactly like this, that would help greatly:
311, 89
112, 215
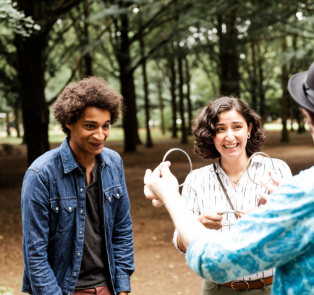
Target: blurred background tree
167, 58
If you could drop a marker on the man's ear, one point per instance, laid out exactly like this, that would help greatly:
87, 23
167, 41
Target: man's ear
68, 126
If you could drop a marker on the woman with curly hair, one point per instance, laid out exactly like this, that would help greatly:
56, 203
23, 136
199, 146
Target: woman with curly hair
229, 130
77, 228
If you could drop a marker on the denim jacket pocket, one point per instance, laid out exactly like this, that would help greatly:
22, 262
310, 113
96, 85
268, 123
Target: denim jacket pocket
63, 213
115, 192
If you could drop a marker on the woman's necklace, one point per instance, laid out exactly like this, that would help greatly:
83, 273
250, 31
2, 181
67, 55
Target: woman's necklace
234, 181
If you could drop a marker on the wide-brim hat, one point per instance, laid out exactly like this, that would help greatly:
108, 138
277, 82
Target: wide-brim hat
301, 88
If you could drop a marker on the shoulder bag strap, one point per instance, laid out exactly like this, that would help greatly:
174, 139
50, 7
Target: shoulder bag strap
224, 190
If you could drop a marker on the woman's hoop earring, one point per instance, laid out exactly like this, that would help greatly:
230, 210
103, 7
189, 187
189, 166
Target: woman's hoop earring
248, 136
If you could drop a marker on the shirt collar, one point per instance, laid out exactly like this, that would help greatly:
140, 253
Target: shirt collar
69, 163
257, 159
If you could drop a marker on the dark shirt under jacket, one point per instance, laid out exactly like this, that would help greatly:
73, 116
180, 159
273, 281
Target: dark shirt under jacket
93, 272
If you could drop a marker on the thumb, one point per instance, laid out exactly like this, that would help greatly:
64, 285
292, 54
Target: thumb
164, 169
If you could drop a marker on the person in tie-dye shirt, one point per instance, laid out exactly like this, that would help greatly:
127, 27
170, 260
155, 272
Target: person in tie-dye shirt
281, 234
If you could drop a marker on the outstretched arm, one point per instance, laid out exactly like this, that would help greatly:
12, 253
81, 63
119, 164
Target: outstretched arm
263, 239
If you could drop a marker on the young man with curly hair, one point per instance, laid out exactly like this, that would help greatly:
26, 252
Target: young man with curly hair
77, 228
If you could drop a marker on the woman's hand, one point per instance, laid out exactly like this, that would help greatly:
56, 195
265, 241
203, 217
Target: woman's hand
160, 184
211, 219
262, 200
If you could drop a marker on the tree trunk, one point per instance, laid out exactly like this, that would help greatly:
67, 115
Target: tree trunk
188, 97
285, 95
184, 139
131, 137
149, 142
228, 54
87, 56
161, 107
172, 80
301, 128
35, 110
8, 123
17, 122
254, 79
260, 86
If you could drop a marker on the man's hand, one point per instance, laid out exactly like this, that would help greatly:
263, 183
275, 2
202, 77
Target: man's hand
262, 200
160, 184
123, 293
211, 219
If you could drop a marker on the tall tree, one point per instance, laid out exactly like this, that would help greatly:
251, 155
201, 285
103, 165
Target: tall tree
285, 94
184, 138
149, 142
228, 51
32, 59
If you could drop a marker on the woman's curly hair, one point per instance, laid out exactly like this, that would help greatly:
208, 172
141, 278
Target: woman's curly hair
89, 92
204, 127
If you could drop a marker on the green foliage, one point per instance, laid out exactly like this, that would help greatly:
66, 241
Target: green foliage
19, 23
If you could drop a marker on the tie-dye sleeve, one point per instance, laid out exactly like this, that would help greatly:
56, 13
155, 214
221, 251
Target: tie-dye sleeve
265, 238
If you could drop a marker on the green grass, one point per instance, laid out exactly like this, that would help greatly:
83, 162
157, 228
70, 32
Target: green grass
116, 134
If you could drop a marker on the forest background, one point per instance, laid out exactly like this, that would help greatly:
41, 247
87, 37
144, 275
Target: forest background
167, 58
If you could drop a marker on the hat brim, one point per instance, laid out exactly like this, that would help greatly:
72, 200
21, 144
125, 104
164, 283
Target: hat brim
295, 87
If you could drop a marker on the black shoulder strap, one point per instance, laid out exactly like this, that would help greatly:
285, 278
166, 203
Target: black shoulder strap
224, 190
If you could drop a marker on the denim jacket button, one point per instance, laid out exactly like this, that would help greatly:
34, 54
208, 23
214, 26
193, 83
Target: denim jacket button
117, 195
81, 232
81, 211
57, 208
70, 208
74, 274
82, 189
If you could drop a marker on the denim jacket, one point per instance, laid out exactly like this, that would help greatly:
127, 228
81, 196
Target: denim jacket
53, 215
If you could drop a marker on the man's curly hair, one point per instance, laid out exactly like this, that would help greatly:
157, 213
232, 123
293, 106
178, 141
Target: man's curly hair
89, 92
204, 128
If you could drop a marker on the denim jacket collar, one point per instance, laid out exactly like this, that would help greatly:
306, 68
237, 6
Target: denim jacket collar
69, 163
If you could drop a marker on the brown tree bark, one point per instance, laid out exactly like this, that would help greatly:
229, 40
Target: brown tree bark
228, 54
254, 78
149, 142
8, 123
122, 52
17, 122
285, 95
188, 97
31, 68
35, 109
87, 57
161, 106
184, 138
260, 84
172, 79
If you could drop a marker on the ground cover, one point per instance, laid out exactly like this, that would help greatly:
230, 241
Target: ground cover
160, 269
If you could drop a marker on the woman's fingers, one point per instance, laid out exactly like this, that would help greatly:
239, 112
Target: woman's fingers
275, 178
270, 188
262, 199
212, 220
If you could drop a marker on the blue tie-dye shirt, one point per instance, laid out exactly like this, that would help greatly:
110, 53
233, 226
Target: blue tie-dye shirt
280, 235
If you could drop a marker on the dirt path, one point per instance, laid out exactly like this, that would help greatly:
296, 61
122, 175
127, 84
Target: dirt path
160, 269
